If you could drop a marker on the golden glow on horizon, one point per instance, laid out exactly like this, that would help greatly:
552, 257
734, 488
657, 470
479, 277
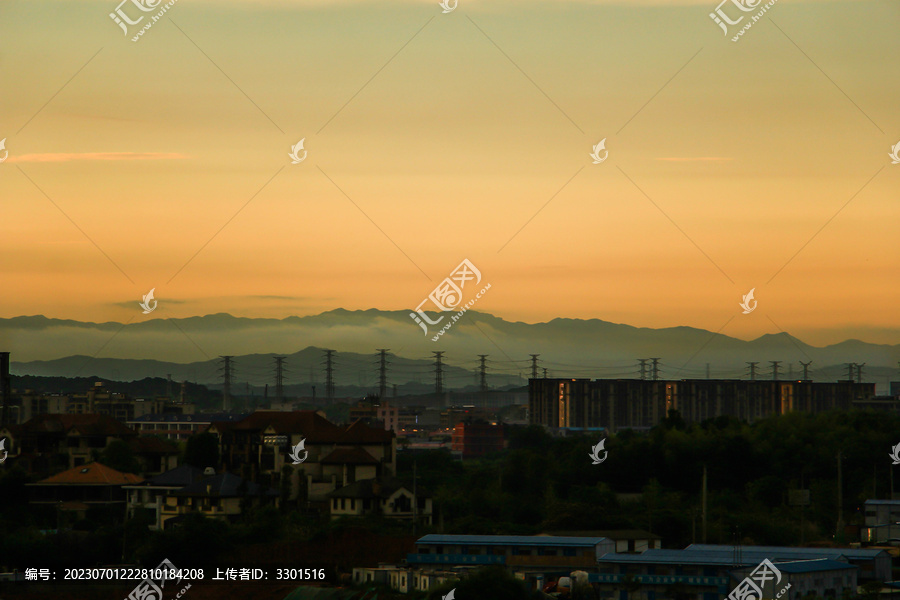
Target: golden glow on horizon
749, 150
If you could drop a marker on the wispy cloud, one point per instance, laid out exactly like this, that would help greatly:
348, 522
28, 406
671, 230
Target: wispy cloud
98, 156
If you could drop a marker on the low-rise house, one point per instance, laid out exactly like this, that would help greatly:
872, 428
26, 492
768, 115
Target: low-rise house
222, 496
155, 455
150, 495
387, 497
47, 442
259, 447
92, 485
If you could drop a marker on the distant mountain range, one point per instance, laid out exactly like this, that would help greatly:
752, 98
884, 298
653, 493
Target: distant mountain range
188, 349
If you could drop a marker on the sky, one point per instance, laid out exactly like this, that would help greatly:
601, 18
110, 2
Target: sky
434, 137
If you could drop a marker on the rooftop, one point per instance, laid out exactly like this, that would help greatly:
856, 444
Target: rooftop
511, 540
91, 474
85, 424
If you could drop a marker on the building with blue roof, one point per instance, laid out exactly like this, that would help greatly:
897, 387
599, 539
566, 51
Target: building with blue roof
824, 577
711, 571
519, 552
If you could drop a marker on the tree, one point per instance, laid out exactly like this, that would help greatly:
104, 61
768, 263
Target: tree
118, 456
202, 451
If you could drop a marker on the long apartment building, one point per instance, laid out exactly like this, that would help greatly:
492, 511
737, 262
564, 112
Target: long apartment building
642, 403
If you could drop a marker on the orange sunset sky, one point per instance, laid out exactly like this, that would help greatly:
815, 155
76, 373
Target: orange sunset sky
436, 137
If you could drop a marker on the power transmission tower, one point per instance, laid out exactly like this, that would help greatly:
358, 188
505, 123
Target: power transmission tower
753, 370
545, 372
438, 372
329, 375
643, 362
226, 369
169, 386
534, 367
805, 370
483, 372
850, 371
655, 368
775, 364
859, 372
382, 373
279, 379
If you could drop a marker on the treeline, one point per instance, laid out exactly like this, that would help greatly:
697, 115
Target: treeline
653, 480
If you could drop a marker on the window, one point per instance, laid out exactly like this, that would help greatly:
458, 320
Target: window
352, 504
343, 502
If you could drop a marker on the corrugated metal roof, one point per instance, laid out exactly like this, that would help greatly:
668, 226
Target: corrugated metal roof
789, 551
882, 502
511, 540
677, 557
811, 566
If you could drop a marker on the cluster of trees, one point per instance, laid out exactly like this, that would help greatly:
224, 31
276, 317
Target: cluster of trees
543, 483
653, 481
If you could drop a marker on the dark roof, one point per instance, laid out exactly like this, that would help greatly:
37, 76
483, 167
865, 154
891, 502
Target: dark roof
350, 456
92, 474
360, 433
223, 485
613, 534
313, 426
365, 488
810, 566
180, 476
721, 555
510, 540
790, 551
148, 444
86, 424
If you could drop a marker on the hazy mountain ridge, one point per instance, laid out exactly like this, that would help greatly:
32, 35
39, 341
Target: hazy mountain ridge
188, 348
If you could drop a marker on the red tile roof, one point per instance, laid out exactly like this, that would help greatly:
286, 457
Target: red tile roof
92, 474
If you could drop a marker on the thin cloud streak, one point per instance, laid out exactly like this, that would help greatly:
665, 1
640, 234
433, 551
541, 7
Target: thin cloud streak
96, 156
